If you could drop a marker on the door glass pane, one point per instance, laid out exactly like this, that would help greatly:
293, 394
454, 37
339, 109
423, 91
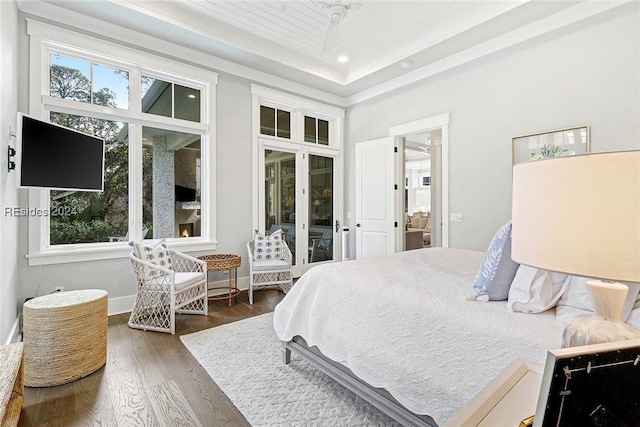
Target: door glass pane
280, 195
171, 167
320, 208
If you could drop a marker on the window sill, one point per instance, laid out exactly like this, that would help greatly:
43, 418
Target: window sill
97, 252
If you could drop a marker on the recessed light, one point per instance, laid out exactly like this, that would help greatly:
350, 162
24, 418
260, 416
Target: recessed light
343, 58
192, 96
406, 64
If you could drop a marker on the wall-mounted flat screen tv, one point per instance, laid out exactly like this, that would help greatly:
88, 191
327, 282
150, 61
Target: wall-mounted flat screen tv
58, 158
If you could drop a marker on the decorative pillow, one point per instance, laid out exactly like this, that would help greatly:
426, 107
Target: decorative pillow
267, 247
576, 301
497, 269
157, 254
534, 290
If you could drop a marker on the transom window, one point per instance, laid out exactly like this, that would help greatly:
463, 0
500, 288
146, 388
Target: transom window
316, 130
275, 122
88, 82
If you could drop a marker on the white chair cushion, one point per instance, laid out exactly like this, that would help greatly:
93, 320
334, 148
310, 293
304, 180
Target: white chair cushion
184, 280
270, 265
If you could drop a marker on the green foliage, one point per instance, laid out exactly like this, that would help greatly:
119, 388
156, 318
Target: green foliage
77, 231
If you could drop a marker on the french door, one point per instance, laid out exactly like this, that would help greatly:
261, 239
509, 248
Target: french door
298, 195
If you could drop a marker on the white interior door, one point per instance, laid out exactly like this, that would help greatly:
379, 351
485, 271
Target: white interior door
376, 197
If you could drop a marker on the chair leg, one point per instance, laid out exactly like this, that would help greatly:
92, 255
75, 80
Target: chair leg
251, 293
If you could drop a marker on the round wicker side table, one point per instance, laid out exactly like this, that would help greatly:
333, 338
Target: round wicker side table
65, 336
222, 262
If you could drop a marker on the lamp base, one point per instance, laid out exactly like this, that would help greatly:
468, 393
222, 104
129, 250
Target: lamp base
606, 324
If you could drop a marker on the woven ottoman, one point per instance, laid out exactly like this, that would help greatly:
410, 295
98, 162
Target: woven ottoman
65, 336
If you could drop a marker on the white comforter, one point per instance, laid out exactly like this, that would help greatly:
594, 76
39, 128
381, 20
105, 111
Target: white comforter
404, 323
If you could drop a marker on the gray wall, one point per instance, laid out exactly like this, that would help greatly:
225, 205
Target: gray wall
587, 73
8, 193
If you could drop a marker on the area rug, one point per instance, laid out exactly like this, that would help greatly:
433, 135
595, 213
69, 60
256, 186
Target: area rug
244, 359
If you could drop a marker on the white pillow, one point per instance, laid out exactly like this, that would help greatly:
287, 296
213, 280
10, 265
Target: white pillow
157, 254
534, 290
576, 301
267, 247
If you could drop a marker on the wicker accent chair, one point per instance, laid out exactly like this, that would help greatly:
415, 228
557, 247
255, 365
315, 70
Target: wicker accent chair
164, 291
270, 273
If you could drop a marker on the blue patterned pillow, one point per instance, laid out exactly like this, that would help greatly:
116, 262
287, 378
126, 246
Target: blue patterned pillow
497, 269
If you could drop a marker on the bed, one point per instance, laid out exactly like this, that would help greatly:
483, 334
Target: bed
402, 331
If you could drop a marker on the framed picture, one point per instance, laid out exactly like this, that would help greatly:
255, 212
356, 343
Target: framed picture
545, 145
592, 385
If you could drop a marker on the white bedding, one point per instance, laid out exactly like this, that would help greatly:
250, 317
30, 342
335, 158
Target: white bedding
403, 323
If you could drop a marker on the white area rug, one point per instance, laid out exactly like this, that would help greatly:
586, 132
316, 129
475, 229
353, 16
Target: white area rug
245, 359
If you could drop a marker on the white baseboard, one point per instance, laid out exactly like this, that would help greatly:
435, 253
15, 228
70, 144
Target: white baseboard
124, 304
14, 333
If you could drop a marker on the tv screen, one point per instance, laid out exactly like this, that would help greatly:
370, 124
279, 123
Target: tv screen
58, 158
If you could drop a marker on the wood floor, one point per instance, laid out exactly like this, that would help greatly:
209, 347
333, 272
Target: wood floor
150, 379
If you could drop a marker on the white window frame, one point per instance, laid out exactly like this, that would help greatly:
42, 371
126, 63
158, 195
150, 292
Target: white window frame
45, 39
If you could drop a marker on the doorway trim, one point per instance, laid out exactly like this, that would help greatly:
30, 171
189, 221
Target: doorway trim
440, 121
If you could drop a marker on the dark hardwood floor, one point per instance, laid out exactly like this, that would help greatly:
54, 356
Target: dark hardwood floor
150, 379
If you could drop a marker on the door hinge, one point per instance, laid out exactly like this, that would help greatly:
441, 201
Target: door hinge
395, 224
395, 149
395, 186
303, 191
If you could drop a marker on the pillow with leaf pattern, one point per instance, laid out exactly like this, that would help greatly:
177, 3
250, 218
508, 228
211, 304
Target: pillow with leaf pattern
497, 269
157, 254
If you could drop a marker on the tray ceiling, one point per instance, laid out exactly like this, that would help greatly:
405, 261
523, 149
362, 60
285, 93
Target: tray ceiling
287, 38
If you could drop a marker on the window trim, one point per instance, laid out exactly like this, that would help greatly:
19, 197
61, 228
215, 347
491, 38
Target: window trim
46, 39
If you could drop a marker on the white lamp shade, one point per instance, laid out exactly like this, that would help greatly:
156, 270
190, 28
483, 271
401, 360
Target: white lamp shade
579, 215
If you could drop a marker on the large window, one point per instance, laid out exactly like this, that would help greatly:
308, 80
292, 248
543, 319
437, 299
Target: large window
158, 149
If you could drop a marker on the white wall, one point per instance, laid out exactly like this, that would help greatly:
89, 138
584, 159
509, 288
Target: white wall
8, 193
586, 73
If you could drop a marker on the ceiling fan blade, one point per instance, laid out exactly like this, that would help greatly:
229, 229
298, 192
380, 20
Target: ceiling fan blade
330, 37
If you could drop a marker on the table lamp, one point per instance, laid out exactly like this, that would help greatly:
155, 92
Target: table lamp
580, 215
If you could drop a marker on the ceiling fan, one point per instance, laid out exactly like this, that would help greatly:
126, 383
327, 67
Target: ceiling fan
336, 11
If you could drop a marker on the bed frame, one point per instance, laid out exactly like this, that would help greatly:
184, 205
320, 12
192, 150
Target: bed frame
378, 397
